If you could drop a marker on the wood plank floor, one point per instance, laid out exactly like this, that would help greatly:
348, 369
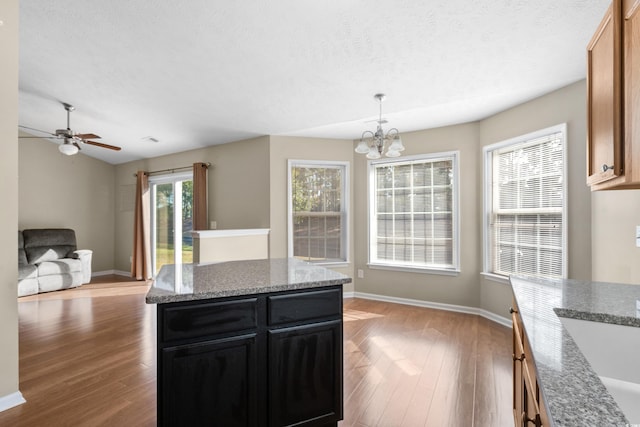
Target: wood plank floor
87, 358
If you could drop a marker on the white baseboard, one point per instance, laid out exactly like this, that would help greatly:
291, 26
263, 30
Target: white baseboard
11, 400
108, 272
435, 305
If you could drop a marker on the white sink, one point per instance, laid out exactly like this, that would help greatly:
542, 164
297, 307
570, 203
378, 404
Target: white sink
613, 352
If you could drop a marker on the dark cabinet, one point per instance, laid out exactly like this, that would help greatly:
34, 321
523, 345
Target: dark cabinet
260, 360
303, 380
213, 383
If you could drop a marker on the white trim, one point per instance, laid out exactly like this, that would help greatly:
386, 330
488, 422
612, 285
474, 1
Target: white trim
108, 272
203, 234
421, 270
454, 157
487, 194
348, 294
495, 278
345, 204
168, 177
437, 306
11, 400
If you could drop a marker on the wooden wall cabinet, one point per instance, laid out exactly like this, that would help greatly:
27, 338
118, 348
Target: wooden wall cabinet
258, 360
528, 405
613, 99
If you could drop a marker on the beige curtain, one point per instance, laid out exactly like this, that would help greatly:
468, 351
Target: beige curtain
200, 219
141, 265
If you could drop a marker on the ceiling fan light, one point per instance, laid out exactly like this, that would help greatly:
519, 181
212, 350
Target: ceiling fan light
362, 147
68, 149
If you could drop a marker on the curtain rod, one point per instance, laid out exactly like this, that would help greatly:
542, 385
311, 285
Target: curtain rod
172, 170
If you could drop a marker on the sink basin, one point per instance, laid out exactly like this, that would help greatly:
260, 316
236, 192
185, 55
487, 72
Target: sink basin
612, 351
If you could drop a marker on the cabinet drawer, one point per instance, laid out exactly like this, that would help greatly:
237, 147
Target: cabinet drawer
306, 306
202, 320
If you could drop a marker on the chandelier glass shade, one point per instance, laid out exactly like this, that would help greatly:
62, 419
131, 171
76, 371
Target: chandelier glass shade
373, 144
67, 147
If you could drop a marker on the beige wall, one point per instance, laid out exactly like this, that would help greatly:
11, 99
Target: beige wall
284, 148
75, 192
9, 191
462, 289
615, 215
566, 105
238, 188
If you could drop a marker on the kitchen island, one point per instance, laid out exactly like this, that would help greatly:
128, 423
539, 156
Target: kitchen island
570, 391
249, 343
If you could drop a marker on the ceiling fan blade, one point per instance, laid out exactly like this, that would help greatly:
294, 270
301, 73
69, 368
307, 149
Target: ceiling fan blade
37, 137
77, 145
37, 130
87, 136
100, 144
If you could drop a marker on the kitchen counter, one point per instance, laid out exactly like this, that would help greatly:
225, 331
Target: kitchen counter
189, 282
226, 336
572, 391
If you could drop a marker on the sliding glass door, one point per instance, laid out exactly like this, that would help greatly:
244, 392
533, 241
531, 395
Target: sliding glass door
171, 219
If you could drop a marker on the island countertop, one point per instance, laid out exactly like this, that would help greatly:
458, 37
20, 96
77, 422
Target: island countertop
573, 392
189, 282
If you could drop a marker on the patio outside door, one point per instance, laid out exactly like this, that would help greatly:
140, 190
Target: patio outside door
171, 219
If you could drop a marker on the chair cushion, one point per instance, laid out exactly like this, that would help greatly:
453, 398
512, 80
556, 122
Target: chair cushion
48, 253
59, 266
22, 255
27, 272
48, 244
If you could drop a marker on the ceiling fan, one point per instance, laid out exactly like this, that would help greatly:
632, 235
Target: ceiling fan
72, 140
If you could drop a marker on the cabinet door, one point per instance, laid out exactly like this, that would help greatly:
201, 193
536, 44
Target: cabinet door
305, 374
212, 383
631, 36
604, 103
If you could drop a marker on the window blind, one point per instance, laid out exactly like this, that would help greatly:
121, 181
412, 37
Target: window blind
317, 212
528, 207
413, 215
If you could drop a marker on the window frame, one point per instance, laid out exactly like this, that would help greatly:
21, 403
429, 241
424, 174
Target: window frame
454, 157
487, 197
344, 206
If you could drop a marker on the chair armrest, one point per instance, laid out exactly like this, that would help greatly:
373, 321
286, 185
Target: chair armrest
85, 255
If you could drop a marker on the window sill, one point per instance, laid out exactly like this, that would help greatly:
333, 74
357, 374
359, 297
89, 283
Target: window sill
496, 278
442, 272
330, 263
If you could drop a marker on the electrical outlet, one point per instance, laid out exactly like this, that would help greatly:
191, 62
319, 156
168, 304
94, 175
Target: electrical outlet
360, 274
637, 236
213, 225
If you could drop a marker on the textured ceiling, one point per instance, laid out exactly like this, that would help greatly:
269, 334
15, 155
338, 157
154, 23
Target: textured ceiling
201, 72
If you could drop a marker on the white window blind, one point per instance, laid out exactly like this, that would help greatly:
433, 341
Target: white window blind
527, 207
413, 212
317, 211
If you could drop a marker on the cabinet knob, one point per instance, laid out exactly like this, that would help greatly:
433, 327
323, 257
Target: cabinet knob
606, 168
512, 310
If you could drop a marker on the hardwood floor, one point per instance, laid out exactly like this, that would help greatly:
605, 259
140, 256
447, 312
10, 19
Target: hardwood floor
87, 358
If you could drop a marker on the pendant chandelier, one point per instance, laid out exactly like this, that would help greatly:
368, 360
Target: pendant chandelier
373, 144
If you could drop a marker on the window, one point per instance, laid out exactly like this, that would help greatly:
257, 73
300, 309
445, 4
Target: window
171, 219
524, 203
318, 202
414, 212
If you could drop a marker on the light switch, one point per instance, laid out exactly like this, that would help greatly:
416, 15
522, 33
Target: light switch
637, 236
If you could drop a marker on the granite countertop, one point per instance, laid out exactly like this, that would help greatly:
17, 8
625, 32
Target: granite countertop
572, 391
188, 282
